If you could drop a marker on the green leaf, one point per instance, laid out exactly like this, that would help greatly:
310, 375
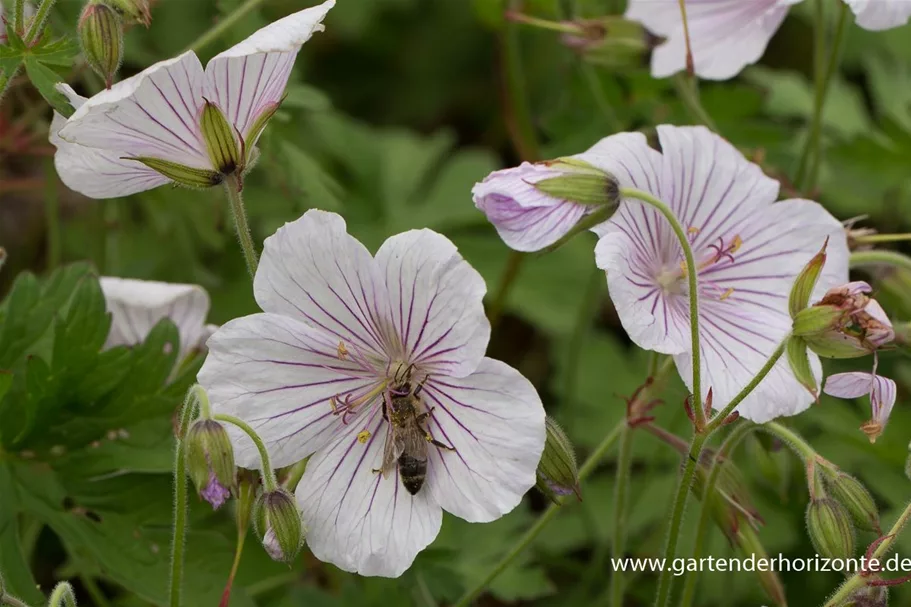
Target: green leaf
13, 567
45, 80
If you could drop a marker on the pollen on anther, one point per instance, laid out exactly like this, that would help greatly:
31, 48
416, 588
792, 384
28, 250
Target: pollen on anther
342, 351
363, 436
683, 267
727, 293
735, 244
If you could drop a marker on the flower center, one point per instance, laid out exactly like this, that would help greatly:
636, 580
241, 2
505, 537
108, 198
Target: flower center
672, 279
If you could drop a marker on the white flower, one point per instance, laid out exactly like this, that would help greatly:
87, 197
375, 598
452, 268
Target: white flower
156, 114
748, 248
854, 385
341, 331
728, 35
136, 306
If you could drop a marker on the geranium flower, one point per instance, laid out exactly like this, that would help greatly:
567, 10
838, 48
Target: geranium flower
728, 35
342, 333
136, 306
749, 249
148, 130
854, 385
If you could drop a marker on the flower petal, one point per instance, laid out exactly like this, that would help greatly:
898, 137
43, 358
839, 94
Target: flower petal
96, 173
849, 385
250, 76
525, 218
880, 14
313, 270
357, 519
278, 375
882, 391
725, 35
495, 421
436, 302
154, 113
136, 306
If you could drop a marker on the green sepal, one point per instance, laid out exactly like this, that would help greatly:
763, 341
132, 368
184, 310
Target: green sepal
278, 524
179, 173
582, 187
837, 344
259, 125
816, 319
221, 143
806, 282
856, 499
799, 360
830, 528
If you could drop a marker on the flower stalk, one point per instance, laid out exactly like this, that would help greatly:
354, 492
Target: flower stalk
37, 24
861, 259
233, 189
223, 25
269, 481
62, 596
621, 506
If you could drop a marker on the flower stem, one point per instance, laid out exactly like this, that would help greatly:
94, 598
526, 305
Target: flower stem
52, 216
19, 16
881, 238
705, 515
233, 189
515, 93
856, 581
808, 167
507, 279
12, 601
689, 96
223, 25
269, 481
880, 258
180, 495
621, 505
580, 332
38, 21
238, 552
699, 438
692, 270
594, 84
62, 596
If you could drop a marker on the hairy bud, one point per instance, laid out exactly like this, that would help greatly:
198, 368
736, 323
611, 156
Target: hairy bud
852, 494
278, 523
869, 596
132, 11
221, 142
830, 528
558, 474
210, 461
101, 35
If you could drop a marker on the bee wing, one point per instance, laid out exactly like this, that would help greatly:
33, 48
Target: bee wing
389, 456
415, 444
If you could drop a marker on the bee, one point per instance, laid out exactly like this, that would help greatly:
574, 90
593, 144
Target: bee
406, 437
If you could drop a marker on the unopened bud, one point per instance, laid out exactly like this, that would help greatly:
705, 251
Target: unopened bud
132, 11
101, 35
799, 361
558, 474
210, 461
846, 323
830, 528
278, 523
580, 182
852, 494
869, 596
609, 41
221, 142
805, 282
181, 174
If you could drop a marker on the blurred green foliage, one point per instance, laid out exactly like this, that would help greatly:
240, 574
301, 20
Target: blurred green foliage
393, 113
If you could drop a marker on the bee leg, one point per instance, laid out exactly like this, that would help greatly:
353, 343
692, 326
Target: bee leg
421, 385
437, 443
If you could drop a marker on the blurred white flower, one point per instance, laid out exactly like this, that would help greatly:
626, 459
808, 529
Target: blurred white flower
728, 35
749, 250
128, 138
136, 306
342, 333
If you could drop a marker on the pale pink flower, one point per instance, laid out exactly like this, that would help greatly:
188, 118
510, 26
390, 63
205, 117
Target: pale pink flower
882, 392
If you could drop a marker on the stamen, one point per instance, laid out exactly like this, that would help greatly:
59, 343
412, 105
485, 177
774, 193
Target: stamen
363, 436
727, 293
342, 351
735, 244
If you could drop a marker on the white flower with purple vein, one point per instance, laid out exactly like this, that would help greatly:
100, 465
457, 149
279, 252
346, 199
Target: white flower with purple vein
155, 115
748, 249
856, 384
316, 374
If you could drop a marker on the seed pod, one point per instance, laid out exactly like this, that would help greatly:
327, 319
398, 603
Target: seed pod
830, 528
101, 34
558, 474
278, 523
852, 494
210, 461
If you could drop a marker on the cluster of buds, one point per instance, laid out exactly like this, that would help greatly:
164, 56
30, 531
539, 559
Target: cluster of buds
101, 32
839, 505
558, 474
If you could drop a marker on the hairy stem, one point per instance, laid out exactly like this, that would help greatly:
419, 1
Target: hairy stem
233, 189
856, 581
705, 515
507, 280
19, 16
790, 438
269, 481
881, 238
37, 24
180, 495
880, 258
11, 601
62, 596
621, 504
223, 25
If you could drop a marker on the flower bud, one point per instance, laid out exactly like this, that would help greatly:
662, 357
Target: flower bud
869, 596
609, 41
210, 461
558, 474
132, 11
830, 528
101, 35
221, 142
278, 523
846, 323
181, 174
852, 494
520, 202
